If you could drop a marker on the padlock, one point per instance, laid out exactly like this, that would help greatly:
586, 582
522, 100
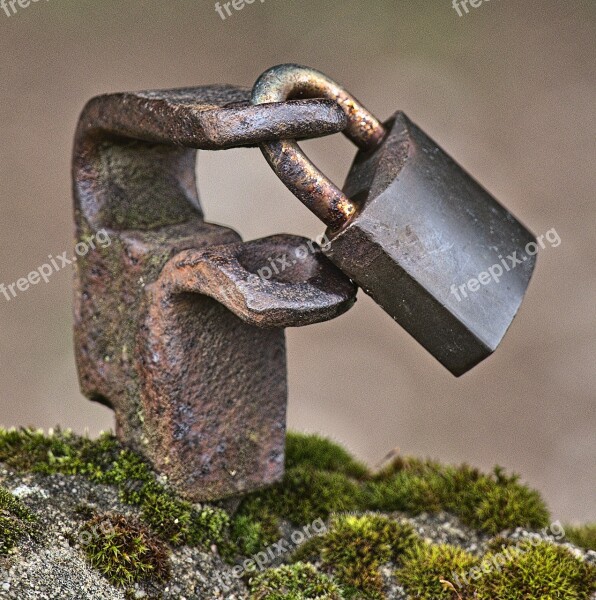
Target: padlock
411, 227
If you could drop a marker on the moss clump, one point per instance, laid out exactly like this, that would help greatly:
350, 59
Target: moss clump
178, 522
500, 502
427, 571
412, 490
540, 570
58, 452
124, 551
11, 505
526, 570
304, 495
15, 521
107, 462
308, 494
355, 547
321, 478
318, 453
132, 475
583, 536
488, 502
250, 535
296, 582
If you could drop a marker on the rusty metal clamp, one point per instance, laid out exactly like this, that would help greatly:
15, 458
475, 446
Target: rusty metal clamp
174, 329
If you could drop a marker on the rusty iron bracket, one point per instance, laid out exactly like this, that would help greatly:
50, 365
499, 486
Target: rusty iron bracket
174, 328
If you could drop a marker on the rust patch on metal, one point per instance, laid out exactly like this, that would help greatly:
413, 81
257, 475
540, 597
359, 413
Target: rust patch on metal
167, 331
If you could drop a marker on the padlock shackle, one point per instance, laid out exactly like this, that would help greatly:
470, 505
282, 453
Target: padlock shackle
292, 166
295, 82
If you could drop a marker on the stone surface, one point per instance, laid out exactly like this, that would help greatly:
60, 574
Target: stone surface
55, 568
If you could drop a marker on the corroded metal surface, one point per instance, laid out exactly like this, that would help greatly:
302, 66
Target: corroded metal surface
409, 225
291, 165
423, 226
299, 287
198, 386
289, 82
214, 376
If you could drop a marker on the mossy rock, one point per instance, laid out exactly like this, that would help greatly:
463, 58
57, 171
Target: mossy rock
16, 521
330, 530
296, 582
124, 550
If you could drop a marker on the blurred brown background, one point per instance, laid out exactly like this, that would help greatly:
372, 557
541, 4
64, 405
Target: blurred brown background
508, 90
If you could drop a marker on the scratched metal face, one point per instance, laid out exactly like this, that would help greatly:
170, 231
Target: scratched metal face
424, 230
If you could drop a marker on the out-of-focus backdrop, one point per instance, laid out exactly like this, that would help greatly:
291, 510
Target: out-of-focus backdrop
507, 89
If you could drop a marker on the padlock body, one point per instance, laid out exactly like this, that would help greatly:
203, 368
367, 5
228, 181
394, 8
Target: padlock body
424, 233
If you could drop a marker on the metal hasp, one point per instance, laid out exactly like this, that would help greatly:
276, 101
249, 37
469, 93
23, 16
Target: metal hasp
409, 225
173, 328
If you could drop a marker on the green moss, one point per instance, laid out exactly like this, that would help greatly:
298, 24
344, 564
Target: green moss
526, 570
321, 480
303, 496
583, 536
540, 570
105, 461
499, 502
180, 523
407, 492
15, 521
307, 494
309, 551
249, 535
498, 543
296, 582
355, 547
318, 453
489, 503
427, 571
124, 551
132, 475
12, 505
11, 532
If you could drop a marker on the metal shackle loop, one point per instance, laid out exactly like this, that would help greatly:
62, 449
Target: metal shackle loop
292, 166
